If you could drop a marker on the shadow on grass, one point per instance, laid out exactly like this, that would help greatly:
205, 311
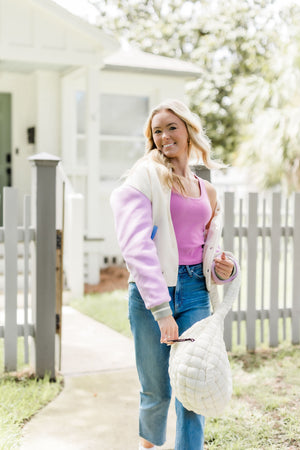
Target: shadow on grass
254, 360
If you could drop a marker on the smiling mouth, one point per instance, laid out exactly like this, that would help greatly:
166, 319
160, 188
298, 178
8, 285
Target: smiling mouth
168, 145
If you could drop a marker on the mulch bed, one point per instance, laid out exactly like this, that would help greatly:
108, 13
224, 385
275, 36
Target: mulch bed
111, 278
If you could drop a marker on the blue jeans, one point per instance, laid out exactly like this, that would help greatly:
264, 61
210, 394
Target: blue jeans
189, 303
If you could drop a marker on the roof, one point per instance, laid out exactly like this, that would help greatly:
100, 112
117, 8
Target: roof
80, 24
40, 34
133, 60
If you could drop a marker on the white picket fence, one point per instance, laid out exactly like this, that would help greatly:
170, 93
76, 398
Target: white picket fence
15, 249
264, 233
29, 261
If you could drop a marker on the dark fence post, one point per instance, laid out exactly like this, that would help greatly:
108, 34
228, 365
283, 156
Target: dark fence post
201, 171
44, 261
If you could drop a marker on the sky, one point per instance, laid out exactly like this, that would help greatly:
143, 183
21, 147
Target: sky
80, 8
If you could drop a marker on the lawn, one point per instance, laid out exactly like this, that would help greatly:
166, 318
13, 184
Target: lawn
21, 397
109, 308
265, 409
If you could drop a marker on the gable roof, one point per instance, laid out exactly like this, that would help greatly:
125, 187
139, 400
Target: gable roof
78, 23
133, 60
37, 34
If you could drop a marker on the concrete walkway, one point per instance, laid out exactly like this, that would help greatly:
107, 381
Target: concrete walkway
98, 407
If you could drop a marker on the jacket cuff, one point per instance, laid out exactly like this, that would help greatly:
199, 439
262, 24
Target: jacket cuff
217, 279
160, 311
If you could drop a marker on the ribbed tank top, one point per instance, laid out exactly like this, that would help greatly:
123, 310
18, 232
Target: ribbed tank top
190, 216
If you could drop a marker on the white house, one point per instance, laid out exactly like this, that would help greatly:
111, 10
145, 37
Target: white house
68, 89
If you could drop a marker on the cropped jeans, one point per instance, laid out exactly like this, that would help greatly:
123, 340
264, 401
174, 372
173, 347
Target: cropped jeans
189, 303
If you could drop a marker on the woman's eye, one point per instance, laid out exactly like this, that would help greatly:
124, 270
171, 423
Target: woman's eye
156, 131
172, 128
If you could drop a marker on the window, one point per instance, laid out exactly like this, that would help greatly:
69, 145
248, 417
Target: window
122, 118
121, 138
80, 128
117, 156
122, 115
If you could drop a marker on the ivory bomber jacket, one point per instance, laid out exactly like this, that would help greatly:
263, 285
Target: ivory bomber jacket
141, 203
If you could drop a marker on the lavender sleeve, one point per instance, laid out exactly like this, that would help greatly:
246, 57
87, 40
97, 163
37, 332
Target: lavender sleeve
133, 221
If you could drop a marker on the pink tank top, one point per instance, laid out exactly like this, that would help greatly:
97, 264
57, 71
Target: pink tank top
190, 216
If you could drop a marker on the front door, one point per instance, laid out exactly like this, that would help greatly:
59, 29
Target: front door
5, 147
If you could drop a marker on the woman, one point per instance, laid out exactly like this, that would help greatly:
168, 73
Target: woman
162, 214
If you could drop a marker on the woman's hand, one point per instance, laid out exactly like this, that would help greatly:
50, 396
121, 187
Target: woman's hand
168, 329
223, 267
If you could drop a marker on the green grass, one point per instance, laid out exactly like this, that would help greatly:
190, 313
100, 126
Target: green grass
109, 308
264, 412
21, 397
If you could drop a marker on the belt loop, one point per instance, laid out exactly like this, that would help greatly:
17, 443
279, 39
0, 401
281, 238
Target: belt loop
189, 271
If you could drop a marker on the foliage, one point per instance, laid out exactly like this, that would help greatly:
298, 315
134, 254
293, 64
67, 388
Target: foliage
237, 46
270, 114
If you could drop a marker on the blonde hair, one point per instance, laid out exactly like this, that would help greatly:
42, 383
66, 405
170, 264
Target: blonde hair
199, 145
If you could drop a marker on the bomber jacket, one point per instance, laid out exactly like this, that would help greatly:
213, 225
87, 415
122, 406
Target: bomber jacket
141, 203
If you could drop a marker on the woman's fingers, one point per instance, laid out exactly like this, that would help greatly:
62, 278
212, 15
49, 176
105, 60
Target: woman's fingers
223, 266
168, 329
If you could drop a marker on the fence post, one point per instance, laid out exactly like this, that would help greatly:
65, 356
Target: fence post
296, 272
44, 261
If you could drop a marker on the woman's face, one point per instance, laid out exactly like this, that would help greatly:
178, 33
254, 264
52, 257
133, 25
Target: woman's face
170, 134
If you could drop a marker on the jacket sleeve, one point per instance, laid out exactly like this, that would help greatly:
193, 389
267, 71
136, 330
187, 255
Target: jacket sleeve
133, 221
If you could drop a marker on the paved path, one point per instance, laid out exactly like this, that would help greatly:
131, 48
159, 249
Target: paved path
98, 407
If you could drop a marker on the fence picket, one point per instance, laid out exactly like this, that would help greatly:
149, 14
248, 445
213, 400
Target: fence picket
251, 271
285, 270
240, 256
10, 256
274, 266
263, 261
27, 214
228, 238
296, 272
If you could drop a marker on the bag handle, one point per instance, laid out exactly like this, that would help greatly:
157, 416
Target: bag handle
231, 293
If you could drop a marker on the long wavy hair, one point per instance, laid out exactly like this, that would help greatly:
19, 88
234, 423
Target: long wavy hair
199, 146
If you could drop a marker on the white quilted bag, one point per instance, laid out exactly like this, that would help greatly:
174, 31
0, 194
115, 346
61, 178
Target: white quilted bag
199, 371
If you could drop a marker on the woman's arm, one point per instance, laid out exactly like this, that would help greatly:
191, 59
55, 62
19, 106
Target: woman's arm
133, 220
224, 266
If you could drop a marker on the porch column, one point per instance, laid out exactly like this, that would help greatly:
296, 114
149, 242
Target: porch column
47, 112
93, 166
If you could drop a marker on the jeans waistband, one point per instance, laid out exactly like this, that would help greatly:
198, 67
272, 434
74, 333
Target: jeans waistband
188, 268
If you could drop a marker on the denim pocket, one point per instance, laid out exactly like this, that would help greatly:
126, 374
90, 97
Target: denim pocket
198, 276
191, 287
